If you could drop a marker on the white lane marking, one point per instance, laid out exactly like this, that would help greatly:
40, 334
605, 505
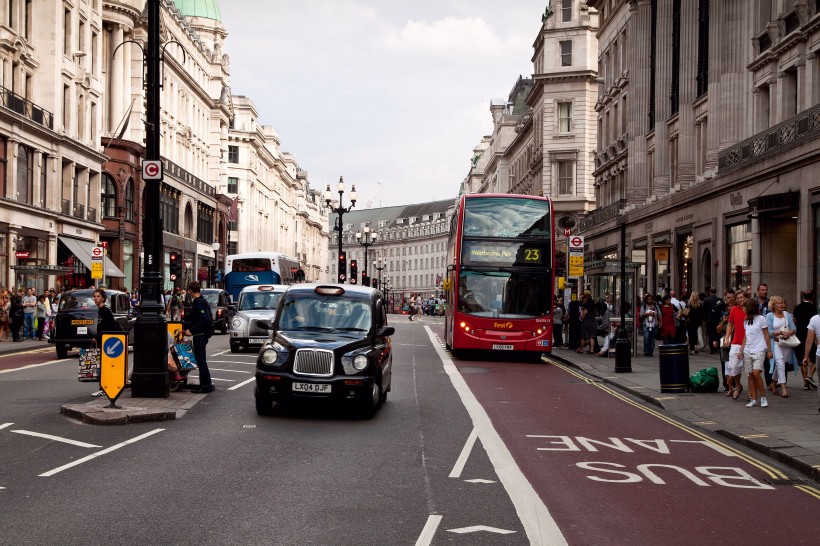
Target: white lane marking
238, 385
4, 425
100, 453
477, 528
34, 365
220, 379
465, 454
220, 354
55, 438
232, 362
534, 515
426, 536
479, 480
226, 370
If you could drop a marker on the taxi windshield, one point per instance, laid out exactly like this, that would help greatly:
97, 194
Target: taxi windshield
255, 301
81, 302
331, 312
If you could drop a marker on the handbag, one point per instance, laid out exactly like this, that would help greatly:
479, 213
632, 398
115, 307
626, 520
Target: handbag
89, 365
790, 342
184, 355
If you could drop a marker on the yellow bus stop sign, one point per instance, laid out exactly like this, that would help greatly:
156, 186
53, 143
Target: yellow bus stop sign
114, 365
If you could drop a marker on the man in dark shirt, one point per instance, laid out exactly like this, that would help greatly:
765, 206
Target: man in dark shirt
712, 310
803, 312
199, 324
16, 314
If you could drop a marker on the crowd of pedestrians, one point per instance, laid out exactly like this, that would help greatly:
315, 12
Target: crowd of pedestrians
26, 315
749, 332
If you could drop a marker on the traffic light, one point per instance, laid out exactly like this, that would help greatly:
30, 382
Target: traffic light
354, 270
374, 283
342, 267
174, 265
365, 279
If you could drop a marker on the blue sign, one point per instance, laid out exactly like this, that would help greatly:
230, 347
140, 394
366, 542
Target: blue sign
113, 347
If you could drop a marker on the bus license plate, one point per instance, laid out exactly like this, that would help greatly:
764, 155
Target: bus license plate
257, 340
497, 347
312, 387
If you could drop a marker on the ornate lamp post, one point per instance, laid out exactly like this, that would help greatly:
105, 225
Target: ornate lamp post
380, 266
336, 207
366, 241
386, 290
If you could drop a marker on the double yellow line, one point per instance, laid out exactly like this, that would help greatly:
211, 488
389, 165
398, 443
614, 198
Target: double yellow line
773, 473
30, 351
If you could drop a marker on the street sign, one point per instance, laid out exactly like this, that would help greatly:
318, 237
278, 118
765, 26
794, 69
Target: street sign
97, 252
576, 265
114, 365
151, 169
97, 270
567, 232
576, 242
188, 264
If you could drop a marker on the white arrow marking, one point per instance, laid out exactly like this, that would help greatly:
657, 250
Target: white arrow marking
4, 425
479, 480
55, 438
477, 528
465, 454
251, 380
99, 453
113, 347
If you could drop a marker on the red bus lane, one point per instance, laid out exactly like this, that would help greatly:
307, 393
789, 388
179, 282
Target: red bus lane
35, 355
609, 469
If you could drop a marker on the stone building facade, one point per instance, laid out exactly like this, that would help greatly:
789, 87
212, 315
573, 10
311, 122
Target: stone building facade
709, 142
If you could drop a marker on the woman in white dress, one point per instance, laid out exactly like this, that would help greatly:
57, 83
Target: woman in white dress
781, 326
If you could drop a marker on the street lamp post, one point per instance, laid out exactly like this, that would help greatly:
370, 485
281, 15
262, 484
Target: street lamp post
623, 348
336, 207
366, 240
380, 266
386, 290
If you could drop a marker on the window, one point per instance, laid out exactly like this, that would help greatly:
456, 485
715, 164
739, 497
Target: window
169, 209
233, 154
233, 184
129, 200
205, 224
566, 52
564, 117
108, 203
67, 31
27, 21
3, 165
25, 175
739, 242
44, 182
566, 184
566, 11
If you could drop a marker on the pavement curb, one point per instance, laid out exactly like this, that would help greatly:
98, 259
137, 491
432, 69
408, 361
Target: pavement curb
798, 458
133, 410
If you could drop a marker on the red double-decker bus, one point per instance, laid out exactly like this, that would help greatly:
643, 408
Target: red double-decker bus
499, 280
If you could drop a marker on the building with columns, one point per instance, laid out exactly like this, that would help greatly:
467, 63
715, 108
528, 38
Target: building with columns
710, 143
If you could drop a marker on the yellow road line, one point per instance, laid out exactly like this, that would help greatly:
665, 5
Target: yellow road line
813, 491
771, 471
31, 351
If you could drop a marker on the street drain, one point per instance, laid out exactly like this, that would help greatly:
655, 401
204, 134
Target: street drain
474, 369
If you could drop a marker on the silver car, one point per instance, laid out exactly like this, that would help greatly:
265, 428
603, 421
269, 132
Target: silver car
255, 303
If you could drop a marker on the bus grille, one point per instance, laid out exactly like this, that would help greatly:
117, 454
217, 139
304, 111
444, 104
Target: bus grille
318, 362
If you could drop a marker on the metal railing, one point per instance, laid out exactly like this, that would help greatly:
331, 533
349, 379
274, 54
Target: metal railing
79, 210
92, 214
66, 207
601, 215
24, 107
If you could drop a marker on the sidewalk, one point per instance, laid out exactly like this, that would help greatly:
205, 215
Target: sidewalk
96, 411
788, 430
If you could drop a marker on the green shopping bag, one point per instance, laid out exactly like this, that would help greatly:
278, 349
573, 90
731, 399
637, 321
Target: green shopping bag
705, 380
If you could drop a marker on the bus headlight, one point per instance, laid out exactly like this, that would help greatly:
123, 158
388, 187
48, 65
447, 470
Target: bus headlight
466, 327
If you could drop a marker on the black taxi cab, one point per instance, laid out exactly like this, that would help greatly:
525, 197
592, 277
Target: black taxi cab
328, 343
76, 322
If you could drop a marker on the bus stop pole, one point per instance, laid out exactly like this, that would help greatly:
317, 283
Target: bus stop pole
623, 348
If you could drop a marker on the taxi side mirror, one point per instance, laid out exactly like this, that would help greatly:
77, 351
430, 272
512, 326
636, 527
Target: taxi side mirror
386, 331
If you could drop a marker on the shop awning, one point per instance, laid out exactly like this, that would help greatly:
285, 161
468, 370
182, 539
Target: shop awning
42, 269
82, 249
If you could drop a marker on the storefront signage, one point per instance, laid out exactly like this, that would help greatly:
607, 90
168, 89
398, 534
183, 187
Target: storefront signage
661, 254
684, 218
639, 255
22, 254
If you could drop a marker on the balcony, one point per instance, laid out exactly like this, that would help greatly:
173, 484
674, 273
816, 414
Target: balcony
601, 215
801, 128
92, 214
26, 108
66, 207
79, 210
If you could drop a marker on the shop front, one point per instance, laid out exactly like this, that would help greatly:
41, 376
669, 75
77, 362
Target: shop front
76, 256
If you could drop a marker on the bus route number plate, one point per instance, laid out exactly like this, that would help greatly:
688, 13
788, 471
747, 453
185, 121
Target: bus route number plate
497, 347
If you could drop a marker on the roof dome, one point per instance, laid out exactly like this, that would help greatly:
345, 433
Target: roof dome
199, 8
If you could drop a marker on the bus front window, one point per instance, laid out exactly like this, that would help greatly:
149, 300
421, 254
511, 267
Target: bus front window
504, 294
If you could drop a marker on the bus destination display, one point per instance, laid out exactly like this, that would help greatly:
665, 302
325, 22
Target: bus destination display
502, 253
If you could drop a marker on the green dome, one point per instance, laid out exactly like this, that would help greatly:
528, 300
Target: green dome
199, 8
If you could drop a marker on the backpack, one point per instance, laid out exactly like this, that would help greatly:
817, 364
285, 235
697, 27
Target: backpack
206, 311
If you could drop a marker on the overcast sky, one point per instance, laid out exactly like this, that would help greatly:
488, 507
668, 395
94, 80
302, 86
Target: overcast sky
391, 94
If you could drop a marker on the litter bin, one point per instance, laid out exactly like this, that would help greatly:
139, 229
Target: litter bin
674, 367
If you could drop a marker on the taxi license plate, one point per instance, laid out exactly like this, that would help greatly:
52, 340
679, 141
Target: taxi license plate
257, 340
312, 387
82, 330
82, 321
497, 347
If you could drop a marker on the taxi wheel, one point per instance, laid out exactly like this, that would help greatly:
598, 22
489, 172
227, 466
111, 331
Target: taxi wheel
264, 405
62, 350
234, 347
371, 404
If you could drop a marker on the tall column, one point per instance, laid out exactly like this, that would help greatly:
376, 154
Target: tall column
116, 75
775, 106
638, 27
801, 85
687, 143
663, 85
11, 169
812, 81
13, 232
127, 84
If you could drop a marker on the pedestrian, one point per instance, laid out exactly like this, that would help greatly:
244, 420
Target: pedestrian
5, 313
756, 348
29, 310
199, 323
16, 313
650, 314
693, 316
589, 328
40, 315
810, 359
781, 326
558, 324
106, 323
735, 332
712, 313
666, 320
803, 312
412, 308
610, 329
723, 350
763, 299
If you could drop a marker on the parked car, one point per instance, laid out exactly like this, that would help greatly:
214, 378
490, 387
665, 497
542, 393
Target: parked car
76, 322
255, 303
221, 308
328, 342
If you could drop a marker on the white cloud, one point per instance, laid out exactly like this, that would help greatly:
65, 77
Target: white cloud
446, 37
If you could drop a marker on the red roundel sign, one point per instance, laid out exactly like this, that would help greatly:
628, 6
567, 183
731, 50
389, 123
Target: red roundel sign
151, 169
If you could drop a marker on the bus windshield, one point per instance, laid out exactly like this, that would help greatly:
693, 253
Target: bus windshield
245, 265
504, 294
506, 217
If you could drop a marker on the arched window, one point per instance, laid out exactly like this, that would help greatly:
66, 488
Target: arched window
108, 201
189, 222
129, 199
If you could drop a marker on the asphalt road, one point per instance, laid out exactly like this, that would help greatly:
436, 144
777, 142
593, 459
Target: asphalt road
463, 452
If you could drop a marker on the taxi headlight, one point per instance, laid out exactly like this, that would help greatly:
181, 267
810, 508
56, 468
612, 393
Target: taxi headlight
274, 355
360, 362
236, 322
354, 362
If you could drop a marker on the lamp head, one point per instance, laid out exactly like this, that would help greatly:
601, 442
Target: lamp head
353, 195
